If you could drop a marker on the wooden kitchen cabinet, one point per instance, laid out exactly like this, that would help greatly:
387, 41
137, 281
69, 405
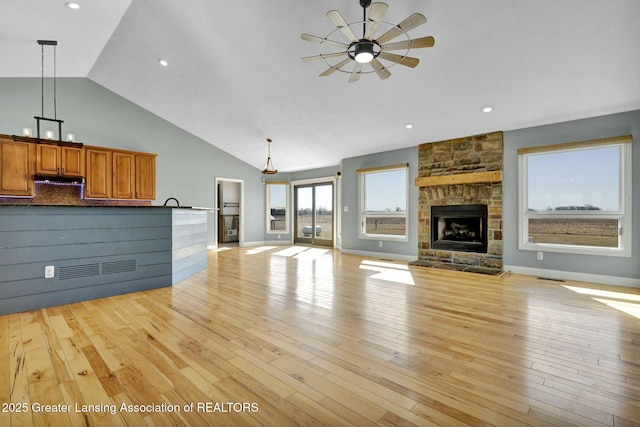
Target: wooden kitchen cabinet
17, 164
118, 174
123, 185
146, 176
59, 160
99, 164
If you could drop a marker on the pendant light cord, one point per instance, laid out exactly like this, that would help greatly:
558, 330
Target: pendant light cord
55, 103
42, 79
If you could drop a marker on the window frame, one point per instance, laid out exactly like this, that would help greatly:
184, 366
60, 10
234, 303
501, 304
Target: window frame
287, 208
362, 215
623, 216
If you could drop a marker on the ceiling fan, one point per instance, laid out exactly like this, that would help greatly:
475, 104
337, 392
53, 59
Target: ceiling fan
369, 49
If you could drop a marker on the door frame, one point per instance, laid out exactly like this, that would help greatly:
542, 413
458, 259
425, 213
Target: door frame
217, 181
324, 180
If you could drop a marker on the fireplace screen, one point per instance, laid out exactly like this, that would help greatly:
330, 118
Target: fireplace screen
459, 228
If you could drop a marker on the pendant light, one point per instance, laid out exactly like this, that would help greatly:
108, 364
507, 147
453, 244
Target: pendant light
42, 44
268, 168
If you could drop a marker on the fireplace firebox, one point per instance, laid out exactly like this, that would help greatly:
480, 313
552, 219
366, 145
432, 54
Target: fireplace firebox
460, 228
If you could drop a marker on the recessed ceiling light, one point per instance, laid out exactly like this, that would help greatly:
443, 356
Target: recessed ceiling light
408, 125
162, 62
487, 108
72, 5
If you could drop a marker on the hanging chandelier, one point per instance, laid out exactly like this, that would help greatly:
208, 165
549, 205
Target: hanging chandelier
268, 168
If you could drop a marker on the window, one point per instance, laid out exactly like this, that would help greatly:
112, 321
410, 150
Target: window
277, 207
383, 202
576, 197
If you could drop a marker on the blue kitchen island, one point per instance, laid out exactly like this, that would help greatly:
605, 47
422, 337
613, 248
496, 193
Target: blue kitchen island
53, 255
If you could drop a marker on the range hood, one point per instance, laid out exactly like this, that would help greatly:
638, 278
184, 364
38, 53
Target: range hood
57, 179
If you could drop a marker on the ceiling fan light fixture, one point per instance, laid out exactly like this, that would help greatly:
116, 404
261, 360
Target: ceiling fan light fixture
364, 52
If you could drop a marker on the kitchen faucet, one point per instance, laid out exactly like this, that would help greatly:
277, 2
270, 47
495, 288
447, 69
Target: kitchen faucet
172, 198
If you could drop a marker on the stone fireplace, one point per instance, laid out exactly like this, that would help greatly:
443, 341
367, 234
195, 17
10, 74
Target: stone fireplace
460, 203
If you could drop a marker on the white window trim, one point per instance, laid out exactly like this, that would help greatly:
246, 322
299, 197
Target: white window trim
268, 208
624, 216
361, 205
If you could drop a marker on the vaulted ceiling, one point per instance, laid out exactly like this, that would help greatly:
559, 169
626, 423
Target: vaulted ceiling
234, 74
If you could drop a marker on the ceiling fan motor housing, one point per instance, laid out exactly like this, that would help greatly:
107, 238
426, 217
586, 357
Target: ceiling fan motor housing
364, 51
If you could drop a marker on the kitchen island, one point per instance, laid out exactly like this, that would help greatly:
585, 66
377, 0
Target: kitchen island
53, 255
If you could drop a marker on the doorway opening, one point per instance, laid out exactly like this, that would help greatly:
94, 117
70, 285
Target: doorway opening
314, 218
230, 204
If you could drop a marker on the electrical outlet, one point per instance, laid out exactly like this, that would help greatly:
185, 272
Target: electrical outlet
278, 237
346, 208
380, 243
49, 272
540, 256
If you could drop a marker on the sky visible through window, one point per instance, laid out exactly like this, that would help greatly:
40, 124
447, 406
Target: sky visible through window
386, 191
575, 178
278, 196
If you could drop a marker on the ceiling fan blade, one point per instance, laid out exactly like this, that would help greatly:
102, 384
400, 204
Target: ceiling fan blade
376, 13
336, 67
408, 24
410, 44
380, 69
399, 59
310, 38
355, 74
338, 21
326, 55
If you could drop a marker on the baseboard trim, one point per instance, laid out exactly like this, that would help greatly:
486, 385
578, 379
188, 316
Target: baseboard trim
572, 275
395, 257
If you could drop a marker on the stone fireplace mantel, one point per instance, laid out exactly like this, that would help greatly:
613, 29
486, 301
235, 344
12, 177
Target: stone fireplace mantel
459, 178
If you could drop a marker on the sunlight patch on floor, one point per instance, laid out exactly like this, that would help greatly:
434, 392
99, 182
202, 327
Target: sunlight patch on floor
293, 250
603, 293
259, 249
626, 307
220, 249
390, 272
623, 301
311, 254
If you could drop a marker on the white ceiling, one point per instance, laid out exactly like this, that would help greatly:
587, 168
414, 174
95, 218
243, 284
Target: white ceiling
235, 76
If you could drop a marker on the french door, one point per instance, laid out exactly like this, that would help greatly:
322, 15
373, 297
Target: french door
313, 204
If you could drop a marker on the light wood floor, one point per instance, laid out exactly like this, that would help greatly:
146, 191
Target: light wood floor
303, 336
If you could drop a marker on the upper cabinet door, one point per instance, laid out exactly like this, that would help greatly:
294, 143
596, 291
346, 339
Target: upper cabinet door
72, 161
17, 163
48, 159
99, 164
145, 176
123, 175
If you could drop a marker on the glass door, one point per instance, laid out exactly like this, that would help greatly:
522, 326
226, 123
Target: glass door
314, 214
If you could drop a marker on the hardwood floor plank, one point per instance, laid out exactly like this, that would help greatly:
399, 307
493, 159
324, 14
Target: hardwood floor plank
18, 377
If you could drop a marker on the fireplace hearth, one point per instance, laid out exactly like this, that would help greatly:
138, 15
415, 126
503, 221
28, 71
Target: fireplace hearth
461, 228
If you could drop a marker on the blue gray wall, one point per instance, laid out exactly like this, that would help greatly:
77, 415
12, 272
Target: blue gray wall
186, 165
578, 130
